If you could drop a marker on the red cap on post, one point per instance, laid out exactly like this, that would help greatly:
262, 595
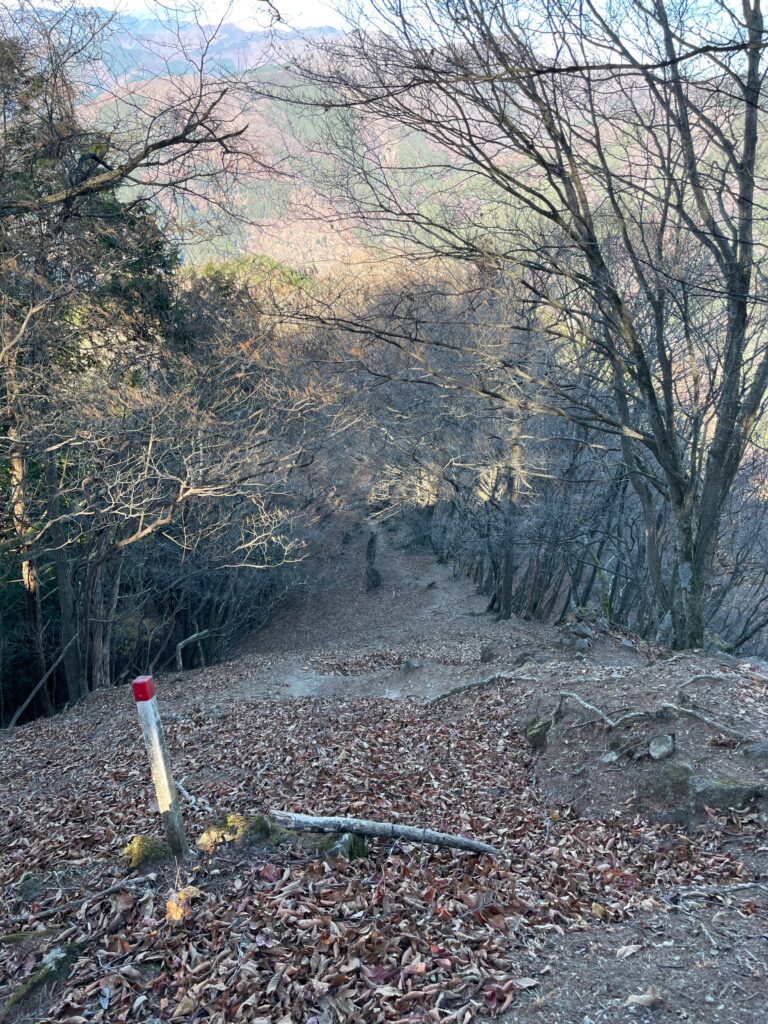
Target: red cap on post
143, 688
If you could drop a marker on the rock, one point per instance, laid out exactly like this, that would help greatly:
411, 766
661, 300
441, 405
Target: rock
665, 794
628, 644
582, 630
412, 665
520, 658
610, 758
722, 794
757, 750
581, 646
726, 660
662, 746
672, 793
347, 845
29, 887
537, 732
755, 665
488, 653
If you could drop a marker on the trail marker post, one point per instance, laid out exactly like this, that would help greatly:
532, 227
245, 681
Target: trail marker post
154, 738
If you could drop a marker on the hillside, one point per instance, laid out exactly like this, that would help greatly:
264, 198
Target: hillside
617, 897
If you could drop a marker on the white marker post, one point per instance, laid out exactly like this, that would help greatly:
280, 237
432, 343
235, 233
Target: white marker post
167, 797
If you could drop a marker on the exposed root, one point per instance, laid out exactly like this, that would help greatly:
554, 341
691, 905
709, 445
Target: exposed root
726, 730
91, 897
634, 716
481, 684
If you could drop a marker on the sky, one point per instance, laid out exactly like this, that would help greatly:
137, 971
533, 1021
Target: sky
246, 13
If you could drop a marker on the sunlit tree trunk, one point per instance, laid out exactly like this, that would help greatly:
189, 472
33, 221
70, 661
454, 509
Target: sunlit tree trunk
29, 574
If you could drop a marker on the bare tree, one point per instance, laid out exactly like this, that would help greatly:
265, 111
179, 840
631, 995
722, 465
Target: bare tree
115, 435
604, 161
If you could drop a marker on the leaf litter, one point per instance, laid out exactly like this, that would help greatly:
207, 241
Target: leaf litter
274, 933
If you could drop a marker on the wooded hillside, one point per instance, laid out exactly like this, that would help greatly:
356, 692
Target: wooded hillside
389, 404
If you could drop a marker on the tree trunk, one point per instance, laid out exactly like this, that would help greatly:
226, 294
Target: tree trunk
689, 620
29, 573
69, 626
104, 605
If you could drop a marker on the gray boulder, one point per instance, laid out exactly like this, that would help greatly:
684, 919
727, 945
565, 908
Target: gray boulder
673, 793
412, 665
537, 732
722, 794
488, 653
662, 746
610, 758
665, 794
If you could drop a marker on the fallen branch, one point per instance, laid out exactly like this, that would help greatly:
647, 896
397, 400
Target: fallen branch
193, 802
130, 883
20, 711
380, 830
481, 684
11, 937
200, 635
718, 890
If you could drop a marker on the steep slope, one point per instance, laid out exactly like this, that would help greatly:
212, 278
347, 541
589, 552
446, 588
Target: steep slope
268, 930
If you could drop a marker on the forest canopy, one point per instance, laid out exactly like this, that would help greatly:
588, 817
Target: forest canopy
508, 271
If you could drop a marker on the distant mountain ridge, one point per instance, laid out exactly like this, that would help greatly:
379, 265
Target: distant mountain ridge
142, 46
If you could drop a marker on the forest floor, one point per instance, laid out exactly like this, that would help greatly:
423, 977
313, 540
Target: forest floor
630, 889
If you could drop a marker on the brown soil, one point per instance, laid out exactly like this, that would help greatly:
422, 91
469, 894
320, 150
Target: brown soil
708, 965
424, 634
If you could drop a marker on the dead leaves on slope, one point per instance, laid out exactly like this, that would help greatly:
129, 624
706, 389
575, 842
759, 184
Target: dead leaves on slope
408, 934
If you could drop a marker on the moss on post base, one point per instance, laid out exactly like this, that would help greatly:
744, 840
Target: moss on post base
145, 850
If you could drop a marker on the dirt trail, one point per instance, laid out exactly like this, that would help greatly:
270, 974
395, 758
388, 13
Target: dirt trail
706, 964
425, 632
420, 634
579, 854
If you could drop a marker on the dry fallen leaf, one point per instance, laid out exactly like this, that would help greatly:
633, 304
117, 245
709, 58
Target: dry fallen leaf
271, 931
185, 1006
624, 951
650, 998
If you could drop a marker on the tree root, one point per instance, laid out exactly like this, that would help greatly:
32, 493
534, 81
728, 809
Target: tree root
635, 716
481, 684
726, 730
